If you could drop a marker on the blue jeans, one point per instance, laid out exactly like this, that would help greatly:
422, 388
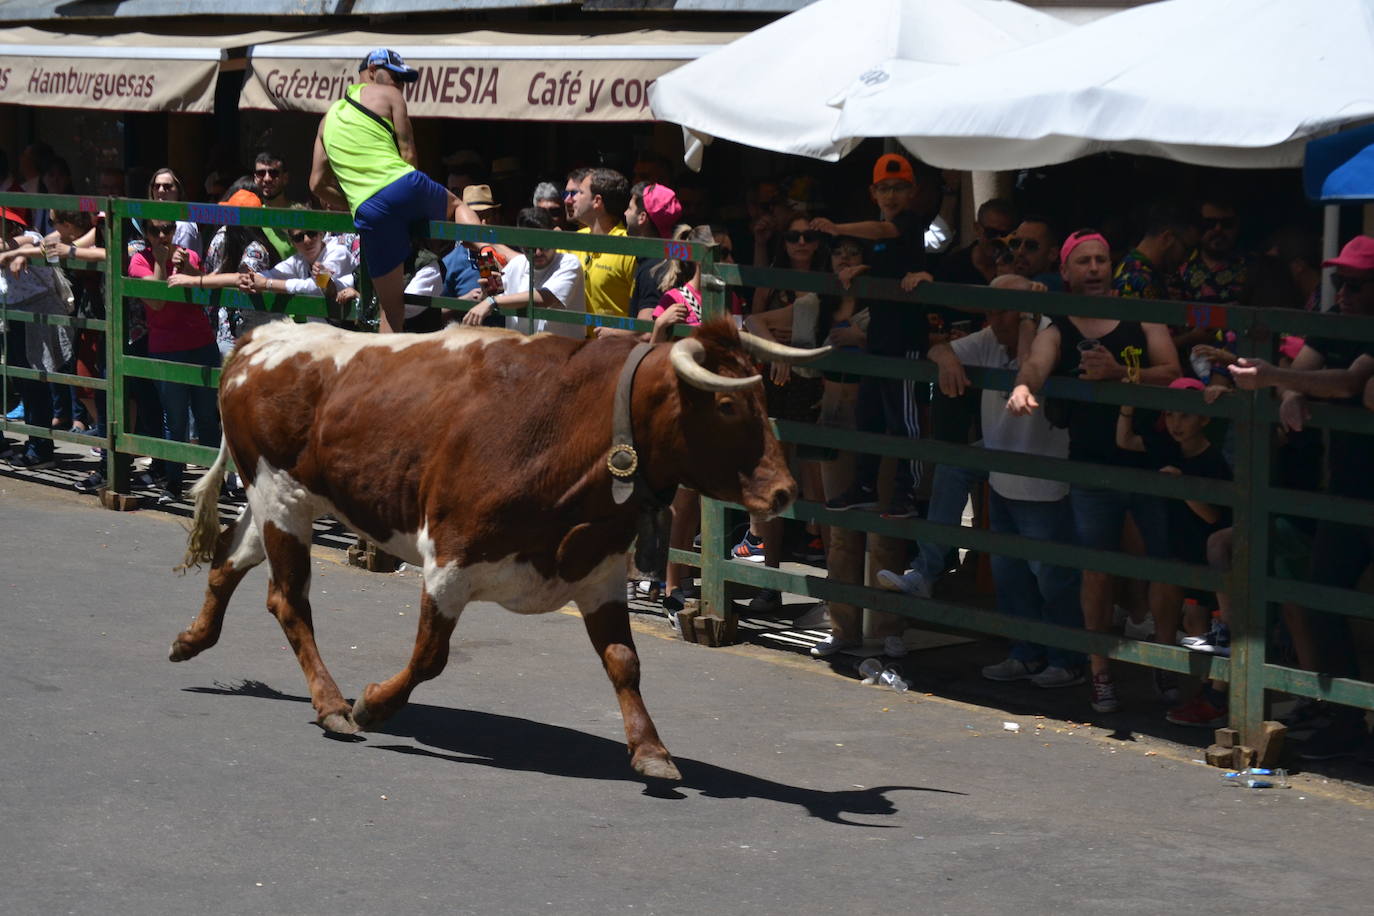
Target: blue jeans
1031, 589
177, 399
1098, 516
949, 492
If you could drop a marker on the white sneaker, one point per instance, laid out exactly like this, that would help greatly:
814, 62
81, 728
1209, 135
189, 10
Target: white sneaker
833, 644
1143, 630
894, 647
1010, 669
1054, 676
911, 582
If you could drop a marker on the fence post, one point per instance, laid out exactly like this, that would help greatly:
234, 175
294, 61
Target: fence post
118, 467
714, 600
1250, 559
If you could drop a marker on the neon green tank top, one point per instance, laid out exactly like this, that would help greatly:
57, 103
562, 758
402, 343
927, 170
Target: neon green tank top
361, 151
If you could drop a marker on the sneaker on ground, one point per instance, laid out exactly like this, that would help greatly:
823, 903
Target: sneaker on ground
1104, 694
749, 550
1217, 641
1166, 685
674, 601
894, 646
167, 497
1054, 676
767, 601
1143, 630
16, 414
853, 498
1197, 713
1344, 737
832, 644
1012, 669
813, 551
32, 461
901, 506
91, 483
912, 582
674, 621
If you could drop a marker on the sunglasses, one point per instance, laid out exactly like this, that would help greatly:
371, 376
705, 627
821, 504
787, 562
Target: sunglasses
304, 234
569, 195
267, 173
159, 186
1339, 282
806, 236
1225, 223
156, 229
1031, 245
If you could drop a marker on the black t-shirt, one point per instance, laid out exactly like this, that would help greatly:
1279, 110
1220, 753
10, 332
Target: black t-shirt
1350, 459
646, 293
1092, 427
1188, 532
957, 267
897, 327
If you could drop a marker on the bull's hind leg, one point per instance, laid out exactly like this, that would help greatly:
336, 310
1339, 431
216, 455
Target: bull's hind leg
289, 601
437, 620
237, 550
607, 618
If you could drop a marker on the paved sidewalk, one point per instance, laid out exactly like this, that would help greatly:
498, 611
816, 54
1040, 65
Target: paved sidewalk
132, 785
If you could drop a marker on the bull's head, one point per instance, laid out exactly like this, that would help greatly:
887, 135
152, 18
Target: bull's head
731, 452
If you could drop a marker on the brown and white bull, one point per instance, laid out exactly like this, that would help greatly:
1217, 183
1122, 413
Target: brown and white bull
481, 457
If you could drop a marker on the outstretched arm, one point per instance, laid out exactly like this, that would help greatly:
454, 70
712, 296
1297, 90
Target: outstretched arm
1030, 378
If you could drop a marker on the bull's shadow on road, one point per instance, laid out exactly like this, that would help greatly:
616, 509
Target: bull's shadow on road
474, 737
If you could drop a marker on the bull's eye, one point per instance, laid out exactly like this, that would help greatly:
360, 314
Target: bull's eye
727, 407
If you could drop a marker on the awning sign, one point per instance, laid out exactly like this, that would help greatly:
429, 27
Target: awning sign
531, 90
109, 83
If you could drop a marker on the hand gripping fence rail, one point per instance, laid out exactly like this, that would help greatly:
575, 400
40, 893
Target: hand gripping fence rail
1254, 587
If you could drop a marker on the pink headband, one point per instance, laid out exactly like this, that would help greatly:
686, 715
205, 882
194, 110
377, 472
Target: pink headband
1073, 241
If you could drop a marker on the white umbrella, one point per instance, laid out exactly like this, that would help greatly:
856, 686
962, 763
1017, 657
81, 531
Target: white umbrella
1237, 83
770, 89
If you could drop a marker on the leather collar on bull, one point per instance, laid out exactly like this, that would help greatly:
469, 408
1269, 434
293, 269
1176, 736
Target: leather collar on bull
655, 517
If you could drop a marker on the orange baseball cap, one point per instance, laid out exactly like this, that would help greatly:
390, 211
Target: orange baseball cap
893, 165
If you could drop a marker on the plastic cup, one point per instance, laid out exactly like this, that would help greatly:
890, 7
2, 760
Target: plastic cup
322, 280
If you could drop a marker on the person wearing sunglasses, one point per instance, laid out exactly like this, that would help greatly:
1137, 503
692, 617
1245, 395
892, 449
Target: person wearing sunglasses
271, 177
570, 221
1034, 252
315, 257
977, 263
555, 276
165, 185
179, 332
365, 160
800, 248
1215, 270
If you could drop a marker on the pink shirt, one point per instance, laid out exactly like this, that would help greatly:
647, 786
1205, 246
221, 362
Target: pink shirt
177, 325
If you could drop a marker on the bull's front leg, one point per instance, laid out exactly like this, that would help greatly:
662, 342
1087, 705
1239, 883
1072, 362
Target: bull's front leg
607, 618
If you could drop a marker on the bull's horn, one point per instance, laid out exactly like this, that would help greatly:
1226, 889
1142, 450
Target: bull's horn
775, 352
686, 355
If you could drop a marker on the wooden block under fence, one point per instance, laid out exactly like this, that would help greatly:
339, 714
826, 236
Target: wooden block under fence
687, 617
1243, 756
1218, 755
1269, 746
1227, 737
119, 502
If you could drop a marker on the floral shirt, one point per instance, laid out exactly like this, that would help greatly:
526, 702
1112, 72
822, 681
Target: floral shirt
1196, 282
1137, 277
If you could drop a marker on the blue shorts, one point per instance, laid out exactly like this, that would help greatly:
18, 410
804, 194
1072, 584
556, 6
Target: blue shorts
1099, 514
384, 219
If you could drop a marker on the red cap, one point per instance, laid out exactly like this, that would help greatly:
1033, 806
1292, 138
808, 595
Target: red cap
892, 165
13, 217
1187, 383
1358, 254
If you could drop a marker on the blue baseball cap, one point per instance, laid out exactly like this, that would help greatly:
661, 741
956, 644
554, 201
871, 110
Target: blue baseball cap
388, 59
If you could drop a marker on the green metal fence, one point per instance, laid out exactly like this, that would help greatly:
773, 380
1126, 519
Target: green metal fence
1254, 589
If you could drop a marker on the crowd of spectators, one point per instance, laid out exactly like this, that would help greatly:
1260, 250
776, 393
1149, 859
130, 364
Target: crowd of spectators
1187, 252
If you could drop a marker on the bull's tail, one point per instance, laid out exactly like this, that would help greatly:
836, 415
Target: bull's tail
204, 531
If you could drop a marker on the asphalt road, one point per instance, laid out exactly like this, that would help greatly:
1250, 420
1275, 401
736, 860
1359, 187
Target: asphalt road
132, 785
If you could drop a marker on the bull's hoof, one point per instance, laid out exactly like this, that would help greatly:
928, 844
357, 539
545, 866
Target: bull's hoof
363, 714
180, 651
340, 723
658, 768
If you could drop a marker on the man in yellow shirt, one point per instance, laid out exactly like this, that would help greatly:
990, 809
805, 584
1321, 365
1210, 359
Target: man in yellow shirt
365, 161
599, 205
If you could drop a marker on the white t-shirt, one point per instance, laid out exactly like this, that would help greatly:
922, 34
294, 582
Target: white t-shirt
1031, 435
562, 277
295, 270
